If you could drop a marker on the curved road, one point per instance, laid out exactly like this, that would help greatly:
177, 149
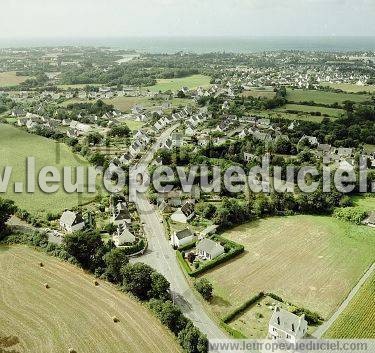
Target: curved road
161, 256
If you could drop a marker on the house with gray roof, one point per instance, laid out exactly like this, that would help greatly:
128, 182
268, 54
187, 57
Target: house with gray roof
209, 249
121, 214
123, 236
182, 237
71, 221
287, 326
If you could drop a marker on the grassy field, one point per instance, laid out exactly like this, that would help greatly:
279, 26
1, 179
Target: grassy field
133, 125
125, 103
365, 202
358, 319
310, 261
351, 88
72, 313
8, 79
175, 84
289, 116
259, 94
16, 145
332, 112
322, 97
78, 85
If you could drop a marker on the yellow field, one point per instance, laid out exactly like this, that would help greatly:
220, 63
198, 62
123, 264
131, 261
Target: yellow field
358, 319
11, 79
72, 313
310, 261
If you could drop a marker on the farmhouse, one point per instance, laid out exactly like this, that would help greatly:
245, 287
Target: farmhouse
71, 222
209, 249
287, 326
184, 214
182, 237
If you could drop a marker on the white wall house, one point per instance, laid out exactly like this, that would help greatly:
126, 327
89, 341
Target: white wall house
71, 222
182, 237
287, 326
209, 249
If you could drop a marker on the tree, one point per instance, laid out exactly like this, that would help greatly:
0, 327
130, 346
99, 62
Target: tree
119, 131
7, 208
86, 247
93, 138
192, 340
169, 314
191, 257
114, 260
204, 287
159, 286
98, 159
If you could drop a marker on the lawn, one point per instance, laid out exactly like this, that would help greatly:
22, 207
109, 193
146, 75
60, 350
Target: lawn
351, 88
133, 124
125, 103
16, 145
8, 79
73, 313
289, 116
310, 261
364, 202
175, 84
332, 112
323, 97
358, 319
258, 93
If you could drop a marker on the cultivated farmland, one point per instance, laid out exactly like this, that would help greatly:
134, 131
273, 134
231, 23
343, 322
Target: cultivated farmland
310, 261
72, 313
16, 145
8, 79
358, 319
323, 97
175, 84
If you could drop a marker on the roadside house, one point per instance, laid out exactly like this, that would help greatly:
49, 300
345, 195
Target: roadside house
209, 249
123, 236
182, 237
287, 326
71, 222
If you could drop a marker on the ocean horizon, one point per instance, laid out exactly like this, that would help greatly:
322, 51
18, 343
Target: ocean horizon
201, 45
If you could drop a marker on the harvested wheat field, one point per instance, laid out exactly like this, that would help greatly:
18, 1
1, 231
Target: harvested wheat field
56, 308
310, 261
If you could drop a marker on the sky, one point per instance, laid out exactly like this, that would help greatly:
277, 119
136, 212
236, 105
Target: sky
145, 18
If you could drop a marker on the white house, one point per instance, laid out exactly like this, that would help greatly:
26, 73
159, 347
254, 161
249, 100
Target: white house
184, 214
287, 326
209, 249
71, 222
121, 214
123, 236
182, 237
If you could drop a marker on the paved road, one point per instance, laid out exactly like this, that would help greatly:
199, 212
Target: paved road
161, 256
326, 325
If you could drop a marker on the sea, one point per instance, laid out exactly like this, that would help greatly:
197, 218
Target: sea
201, 45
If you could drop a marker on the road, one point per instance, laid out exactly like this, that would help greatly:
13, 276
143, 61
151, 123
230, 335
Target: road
162, 258
326, 325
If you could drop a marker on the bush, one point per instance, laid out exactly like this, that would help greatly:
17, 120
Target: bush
204, 287
312, 318
350, 214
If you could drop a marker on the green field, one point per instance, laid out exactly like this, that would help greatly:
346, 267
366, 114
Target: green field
259, 93
72, 313
351, 88
332, 112
289, 116
310, 261
323, 97
8, 79
175, 84
358, 319
79, 85
16, 145
126, 103
133, 125
365, 202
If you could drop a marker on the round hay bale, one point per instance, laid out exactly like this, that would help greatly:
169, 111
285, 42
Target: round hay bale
96, 283
41, 264
115, 319
71, 350
46, 285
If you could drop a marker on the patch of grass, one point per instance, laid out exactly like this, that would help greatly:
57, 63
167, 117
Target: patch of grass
8, 79
332, 112
73, 313
258, 93
364, 202
133, 124
358, 319
311, 261
126, 103
284, 115
351, 88
323, 97
79, 85
175, 84
16, 145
